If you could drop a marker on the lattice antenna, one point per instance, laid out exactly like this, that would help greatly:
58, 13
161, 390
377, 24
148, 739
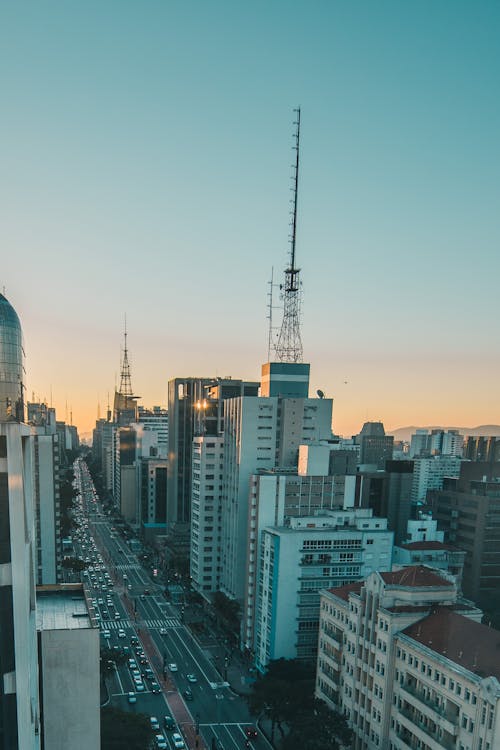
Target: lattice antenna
289, 345
271, 307
125, 381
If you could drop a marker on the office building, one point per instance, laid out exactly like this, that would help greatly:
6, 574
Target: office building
295, 562
467, 509
156, 420
436, 443
19, 710
429, 473
375, 447
408, 663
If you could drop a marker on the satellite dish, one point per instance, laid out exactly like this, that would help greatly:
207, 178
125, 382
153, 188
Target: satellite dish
320, 394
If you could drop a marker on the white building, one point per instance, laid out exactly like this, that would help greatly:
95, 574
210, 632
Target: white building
408, 663
260, 433
156, 420
428, 474
295, 562
437, 442
69, 668
206, 500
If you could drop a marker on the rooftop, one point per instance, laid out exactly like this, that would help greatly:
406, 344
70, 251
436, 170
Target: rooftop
475, 647
343, 591
415, 575
62, 607
426, 545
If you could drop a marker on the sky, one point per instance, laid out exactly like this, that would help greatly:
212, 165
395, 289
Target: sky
146, 152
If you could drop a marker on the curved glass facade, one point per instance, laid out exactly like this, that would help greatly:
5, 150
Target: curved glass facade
11, 364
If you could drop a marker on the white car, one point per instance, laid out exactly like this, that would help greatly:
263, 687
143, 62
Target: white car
177, 740
161, 742
155, 724
122, 634
163, 631
173, 667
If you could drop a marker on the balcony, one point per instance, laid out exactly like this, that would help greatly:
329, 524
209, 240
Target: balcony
445, 718
425, 731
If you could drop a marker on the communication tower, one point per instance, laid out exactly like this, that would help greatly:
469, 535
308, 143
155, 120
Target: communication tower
289, 345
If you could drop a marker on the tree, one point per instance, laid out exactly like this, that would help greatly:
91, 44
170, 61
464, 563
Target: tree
74, 563
285, 689
318, 729
123, 729
228, 610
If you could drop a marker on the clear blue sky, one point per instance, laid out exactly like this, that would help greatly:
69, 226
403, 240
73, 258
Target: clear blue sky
145, 157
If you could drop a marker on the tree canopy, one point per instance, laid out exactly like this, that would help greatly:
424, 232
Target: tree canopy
123, 729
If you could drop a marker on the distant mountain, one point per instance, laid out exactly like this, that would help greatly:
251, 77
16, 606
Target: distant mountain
405, 433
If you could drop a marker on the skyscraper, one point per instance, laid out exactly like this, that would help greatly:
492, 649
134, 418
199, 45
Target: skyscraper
19, 711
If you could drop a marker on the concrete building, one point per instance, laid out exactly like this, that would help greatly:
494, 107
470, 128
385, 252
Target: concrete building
68, 637
429, 473
295, 562
275, 497
206, 511
436, 443
19, 709
375, 447
329, 457
261, 433
156, 420
395, 657
467, 509
195, 407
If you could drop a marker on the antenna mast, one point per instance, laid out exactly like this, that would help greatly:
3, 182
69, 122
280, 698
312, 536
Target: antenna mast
125, 381
289, 345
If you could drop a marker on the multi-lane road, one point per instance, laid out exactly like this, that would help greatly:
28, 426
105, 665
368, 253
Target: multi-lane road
131, 607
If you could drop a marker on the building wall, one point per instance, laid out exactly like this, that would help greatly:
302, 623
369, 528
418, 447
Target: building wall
70, 687
19, 712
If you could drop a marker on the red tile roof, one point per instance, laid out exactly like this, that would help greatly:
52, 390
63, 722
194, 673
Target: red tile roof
343, 591
415, 575
475, 647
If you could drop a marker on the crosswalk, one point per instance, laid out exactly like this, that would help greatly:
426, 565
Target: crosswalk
127, 566
169, 622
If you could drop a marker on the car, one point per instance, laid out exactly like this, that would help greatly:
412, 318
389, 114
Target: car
191, 678
161, 742
251, 732
177, 740
163, 631
155, 724
148, 672
173, 667
155, 688
142, 658
132, 698
106, 634
121, 634
136, 675
168, 722
139, 686
117, 615
134, 640
188, 695
132, 663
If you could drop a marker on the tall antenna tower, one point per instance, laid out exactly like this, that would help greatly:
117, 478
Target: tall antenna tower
289, 345
125, 381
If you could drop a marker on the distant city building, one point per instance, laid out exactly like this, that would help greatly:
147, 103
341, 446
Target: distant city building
437, 442
482, 448
68, 634
313, 552
408, 663
329, 457
375, 447
429, 473
156, 420
467, 509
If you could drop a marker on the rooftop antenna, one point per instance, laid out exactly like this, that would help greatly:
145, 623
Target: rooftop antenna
125, 381
289, 345
270, 307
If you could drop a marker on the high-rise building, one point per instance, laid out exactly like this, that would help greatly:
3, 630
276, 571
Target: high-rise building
19, 710
435, 443
407, 661
467, 509
295, 562
429, 473
195, 407
375, 447
262, 433
156, 420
